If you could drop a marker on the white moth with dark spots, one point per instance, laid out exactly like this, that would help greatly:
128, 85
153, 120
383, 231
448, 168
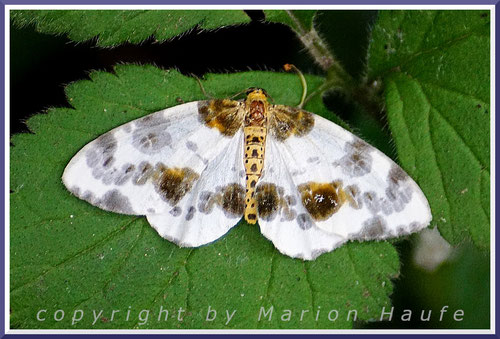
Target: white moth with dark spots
196, 169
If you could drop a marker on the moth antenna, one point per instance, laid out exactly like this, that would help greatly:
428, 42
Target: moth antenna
291, 67
237, 94
271, 99
201, 87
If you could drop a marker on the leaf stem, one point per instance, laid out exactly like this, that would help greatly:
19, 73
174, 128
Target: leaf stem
318, 48
337, 77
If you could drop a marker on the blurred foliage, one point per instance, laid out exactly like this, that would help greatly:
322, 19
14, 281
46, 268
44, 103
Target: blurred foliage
462, 283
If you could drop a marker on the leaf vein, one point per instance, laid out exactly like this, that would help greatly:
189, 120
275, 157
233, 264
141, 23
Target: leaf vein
409, 59
452, 90
120, 265
429, 28
440, 170
189, 280
474, 155
407, 129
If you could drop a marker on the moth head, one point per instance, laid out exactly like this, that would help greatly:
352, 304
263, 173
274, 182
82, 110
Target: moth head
256, 91
256, 94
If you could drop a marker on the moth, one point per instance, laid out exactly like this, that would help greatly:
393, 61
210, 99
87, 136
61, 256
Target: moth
194, 170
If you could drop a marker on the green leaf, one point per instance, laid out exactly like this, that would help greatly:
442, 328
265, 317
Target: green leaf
435, 66
68, 255
300, 21
113, 27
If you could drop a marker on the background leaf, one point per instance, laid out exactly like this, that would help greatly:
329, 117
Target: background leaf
113, 27
73, 256
299, 21
347, 32
435, 65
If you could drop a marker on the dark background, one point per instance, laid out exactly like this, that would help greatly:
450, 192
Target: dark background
41, 66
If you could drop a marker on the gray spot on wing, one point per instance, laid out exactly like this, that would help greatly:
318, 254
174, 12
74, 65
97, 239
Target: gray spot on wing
151, 141
291, 200
88, 196
206, 202
374, 228
176, 211
408, 229
387, 207
304, 221
144, 171
403, 195
75, 190
116, 202
357, 161
100, 156
108, 176
312, 159
118, 176
397, 175
414, 226
190, 213
125, 174
391, 193
293, 173
399, 190
288, 214
171, 239
230, 199
150, 135
191, 146
376, 204
151, 120
371, 201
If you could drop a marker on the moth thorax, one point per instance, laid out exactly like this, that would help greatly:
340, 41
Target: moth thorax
256, 104
256, 114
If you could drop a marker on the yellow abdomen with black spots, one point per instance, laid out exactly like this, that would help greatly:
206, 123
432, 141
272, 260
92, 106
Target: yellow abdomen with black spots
255, 145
